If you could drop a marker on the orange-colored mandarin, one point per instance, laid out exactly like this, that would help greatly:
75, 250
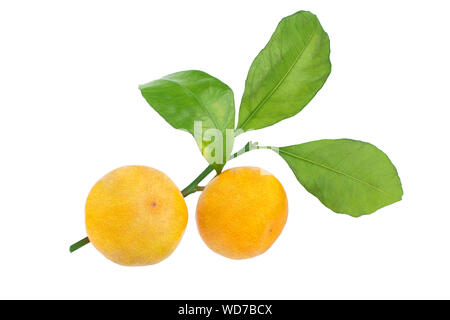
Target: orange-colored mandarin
242, 212
135, 216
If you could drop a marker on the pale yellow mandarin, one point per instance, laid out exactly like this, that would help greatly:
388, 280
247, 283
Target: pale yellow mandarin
242, 212
135, 216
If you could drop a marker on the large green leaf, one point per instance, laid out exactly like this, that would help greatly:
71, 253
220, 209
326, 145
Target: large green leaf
287, 73
347, 176
200, 104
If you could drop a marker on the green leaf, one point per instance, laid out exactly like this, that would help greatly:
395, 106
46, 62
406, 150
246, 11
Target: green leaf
200, 104
347, 176
287, 73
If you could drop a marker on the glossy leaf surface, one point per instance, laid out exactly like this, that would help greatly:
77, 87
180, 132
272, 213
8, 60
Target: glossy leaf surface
200, 104
287, 73
347, 176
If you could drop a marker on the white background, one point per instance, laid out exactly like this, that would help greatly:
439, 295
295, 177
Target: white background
70, 111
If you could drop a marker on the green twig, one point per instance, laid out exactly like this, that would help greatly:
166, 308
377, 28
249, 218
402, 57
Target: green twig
79, 244
191, 188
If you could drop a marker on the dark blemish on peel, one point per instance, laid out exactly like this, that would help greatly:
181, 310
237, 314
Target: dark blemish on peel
270, 230
153, 204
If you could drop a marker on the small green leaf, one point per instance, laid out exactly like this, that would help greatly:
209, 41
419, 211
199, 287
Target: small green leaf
200, 104
287, 73
347, 176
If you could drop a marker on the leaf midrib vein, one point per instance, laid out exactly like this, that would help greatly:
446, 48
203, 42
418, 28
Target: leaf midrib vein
198, 101
336, 171
270, 94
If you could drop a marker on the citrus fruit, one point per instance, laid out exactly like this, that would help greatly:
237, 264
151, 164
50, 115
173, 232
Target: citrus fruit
135, 216
241, 212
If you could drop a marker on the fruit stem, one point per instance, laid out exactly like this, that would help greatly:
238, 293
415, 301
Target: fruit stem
191, 188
